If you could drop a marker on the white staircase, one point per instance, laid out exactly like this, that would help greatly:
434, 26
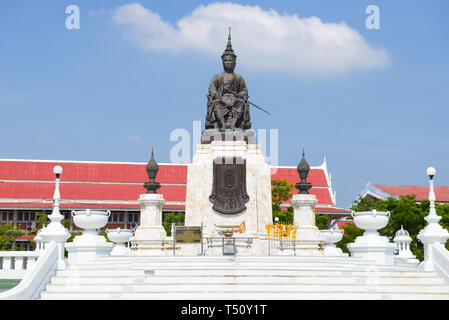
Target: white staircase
252, 278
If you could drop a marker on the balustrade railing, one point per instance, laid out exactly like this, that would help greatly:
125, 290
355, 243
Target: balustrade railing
13, 264
37, 274
440, 257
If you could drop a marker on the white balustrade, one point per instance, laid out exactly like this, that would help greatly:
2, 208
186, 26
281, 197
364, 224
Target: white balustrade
16, 263
440, 260
37, 275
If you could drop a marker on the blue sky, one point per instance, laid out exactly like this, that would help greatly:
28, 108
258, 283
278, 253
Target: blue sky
108, 92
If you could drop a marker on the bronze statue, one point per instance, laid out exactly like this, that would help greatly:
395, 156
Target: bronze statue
227, 101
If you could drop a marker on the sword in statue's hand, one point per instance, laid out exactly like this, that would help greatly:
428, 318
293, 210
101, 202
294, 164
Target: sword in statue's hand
235, 93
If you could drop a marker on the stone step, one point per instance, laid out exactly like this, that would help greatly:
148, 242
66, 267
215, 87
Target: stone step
248, 287
260, 271
269, 279
202, 260
272, 266
123, 295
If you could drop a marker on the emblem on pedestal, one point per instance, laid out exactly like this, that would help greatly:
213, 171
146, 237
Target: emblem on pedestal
229, 185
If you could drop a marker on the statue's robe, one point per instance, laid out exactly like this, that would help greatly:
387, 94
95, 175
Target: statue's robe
233, 110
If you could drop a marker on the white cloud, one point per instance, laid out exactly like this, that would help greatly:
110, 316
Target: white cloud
262, 40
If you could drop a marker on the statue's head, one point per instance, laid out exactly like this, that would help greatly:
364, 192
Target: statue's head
228, 57
229, 62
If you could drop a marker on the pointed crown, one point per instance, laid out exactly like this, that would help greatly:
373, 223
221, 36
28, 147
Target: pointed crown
229, 50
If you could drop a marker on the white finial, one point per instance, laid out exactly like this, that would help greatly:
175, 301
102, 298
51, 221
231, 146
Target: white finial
57, 170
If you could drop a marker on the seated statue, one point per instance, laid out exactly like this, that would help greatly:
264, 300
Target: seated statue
227, 101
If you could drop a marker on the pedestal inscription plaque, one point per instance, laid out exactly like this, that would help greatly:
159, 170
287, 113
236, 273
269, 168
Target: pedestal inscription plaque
229, 185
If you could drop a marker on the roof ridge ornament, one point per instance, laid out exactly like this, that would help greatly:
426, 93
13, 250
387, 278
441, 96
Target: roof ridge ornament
303, 170
152, 169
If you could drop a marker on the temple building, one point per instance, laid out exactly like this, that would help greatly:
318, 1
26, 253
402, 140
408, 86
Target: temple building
27, 186
382, 192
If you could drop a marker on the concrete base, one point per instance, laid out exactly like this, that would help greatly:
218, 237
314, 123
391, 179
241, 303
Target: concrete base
151, 248
373, 247
258, 212
120, 250
87, 247
308, 237
333, 251
150, 237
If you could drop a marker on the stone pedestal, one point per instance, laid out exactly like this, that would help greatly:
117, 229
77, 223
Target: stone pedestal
374, 247
431, 234
332, 237
258, 212
56, 232
88, 246
308, 238
150, 236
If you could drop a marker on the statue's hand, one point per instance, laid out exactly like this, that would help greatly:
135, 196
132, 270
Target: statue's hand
243, 95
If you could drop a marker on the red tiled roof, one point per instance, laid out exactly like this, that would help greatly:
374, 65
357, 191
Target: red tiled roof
26, 236
90, 171
316, 176
421, 192
24, 180
86, 191
69, 205
344, 223
332, 210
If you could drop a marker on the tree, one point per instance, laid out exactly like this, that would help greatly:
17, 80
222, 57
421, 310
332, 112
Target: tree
350, 233
281, 191
177, 217
43, 220
8, 234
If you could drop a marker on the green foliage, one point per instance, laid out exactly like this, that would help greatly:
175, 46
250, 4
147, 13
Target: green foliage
280, 191
177, 217
43, 220
350, 233
321, 221
8, 234
285, 217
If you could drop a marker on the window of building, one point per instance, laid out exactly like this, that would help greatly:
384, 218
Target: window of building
133, 217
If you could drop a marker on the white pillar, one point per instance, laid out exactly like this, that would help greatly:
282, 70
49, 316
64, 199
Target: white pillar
55, 231
150, 235
433, 232
308, 237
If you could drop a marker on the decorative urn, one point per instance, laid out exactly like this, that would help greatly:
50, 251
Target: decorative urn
370, 221
331, 237
120, 237
90, 221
